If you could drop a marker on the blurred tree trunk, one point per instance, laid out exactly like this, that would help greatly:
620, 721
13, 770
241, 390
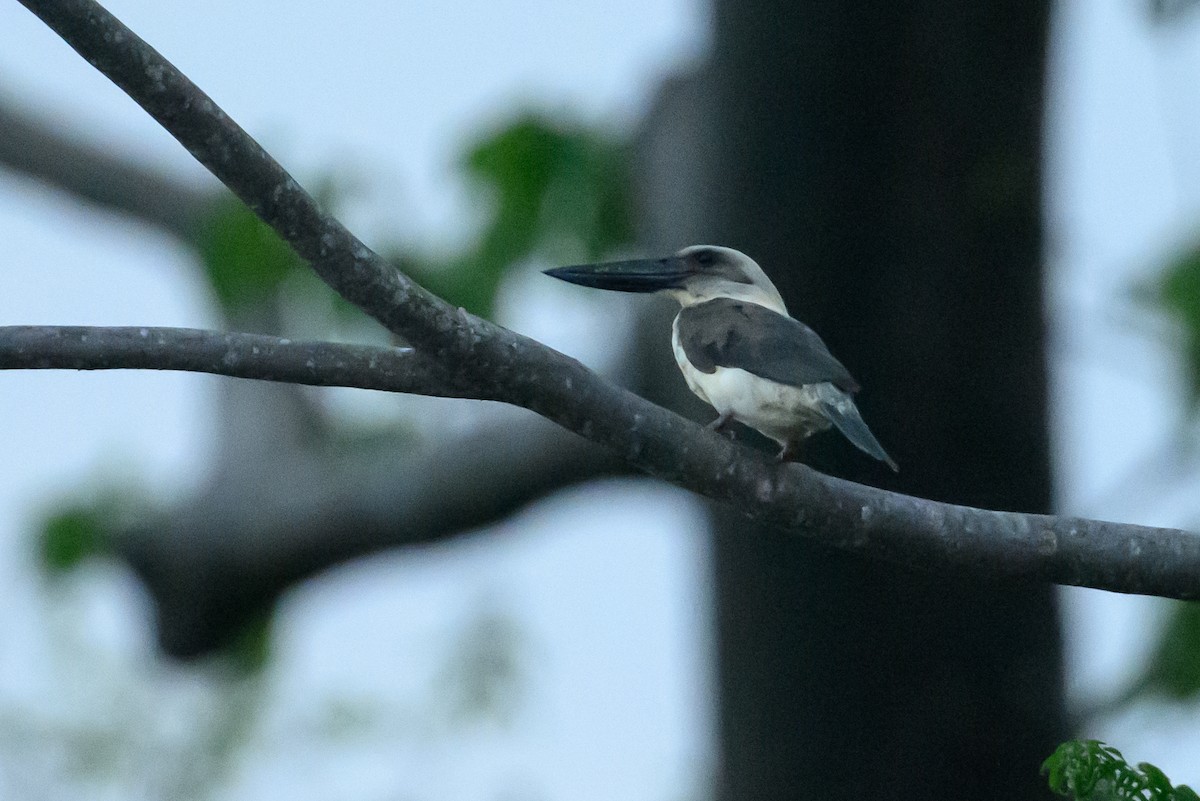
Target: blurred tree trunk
882, 161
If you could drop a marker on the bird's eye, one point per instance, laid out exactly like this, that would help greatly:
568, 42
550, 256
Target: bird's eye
705, 258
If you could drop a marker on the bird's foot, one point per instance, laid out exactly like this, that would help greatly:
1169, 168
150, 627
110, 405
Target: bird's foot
721, 424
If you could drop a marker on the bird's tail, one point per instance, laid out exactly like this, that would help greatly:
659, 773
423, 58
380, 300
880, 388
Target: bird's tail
844, 414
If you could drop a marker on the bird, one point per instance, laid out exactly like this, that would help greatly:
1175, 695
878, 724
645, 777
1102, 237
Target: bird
738, 348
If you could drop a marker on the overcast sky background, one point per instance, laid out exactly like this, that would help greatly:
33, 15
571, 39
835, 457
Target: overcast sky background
608, 594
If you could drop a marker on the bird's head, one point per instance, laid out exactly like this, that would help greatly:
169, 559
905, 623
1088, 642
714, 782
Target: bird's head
693, 275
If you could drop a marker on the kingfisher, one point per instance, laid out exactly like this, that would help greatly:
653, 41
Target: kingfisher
738, 348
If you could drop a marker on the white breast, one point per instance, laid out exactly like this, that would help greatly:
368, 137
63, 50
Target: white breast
782, 412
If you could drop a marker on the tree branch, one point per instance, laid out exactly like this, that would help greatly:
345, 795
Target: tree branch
506, 367
100, 177
900, 528
267, 358
227, 555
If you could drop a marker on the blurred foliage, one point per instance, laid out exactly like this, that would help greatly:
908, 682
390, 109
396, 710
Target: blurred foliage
549, 190
250, 649
90, 527
130, 735
1174, 668
554, 190
85, 527
70, 535
1089, 770
245, 261
1177, 292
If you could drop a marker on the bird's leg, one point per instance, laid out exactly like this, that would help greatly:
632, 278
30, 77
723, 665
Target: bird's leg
721, 424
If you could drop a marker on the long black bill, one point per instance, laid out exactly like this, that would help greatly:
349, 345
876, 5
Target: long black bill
640, 275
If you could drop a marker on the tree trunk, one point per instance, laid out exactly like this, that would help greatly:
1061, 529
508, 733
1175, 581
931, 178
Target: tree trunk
882, 162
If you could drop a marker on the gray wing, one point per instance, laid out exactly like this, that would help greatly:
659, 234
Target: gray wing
733, 333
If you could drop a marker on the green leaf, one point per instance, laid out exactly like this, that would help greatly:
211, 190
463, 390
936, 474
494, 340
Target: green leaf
70, 536
85, 526
1156, 780
553, 180
552, 189
250, 649
1178, 291
1184, 793
549, 188
1174, 667
244, 259
1052, 768
1089, 770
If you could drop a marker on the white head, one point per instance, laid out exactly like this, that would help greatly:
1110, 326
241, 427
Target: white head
694, 275
717, 272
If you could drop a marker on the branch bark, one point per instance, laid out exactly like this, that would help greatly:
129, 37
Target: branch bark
506, 367
258, 528
853, 517
258, 356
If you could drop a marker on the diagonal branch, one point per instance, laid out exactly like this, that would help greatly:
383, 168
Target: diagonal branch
267, 358
913, 531
504, 366
238, 161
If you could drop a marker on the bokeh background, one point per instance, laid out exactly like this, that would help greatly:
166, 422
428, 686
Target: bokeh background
568, 648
